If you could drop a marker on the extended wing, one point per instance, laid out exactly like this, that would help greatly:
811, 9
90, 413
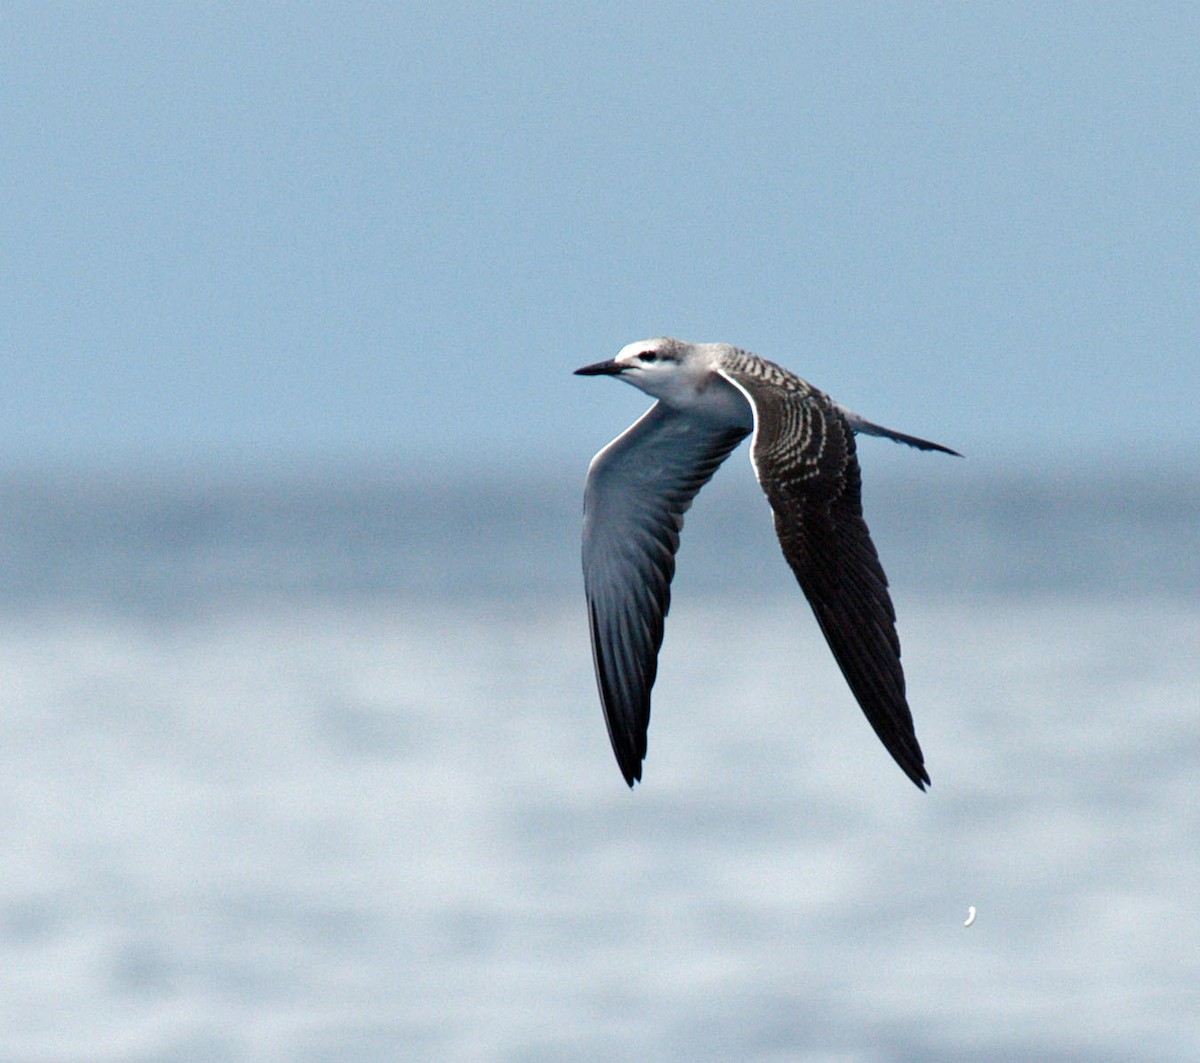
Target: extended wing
638, 489
804, 457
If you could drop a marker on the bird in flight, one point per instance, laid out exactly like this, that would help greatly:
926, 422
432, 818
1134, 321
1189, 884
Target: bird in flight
710, 397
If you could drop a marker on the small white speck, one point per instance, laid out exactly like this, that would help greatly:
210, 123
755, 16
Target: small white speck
970, 915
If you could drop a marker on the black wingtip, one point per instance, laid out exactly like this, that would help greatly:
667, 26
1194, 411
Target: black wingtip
912, 763
907, 754
631, 769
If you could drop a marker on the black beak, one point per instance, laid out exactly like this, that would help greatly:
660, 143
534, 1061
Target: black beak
609, 368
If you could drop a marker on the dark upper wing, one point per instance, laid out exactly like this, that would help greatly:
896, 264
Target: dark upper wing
638, 488
804, 457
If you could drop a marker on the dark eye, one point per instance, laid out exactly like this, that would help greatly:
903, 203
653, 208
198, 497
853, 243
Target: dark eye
648, 356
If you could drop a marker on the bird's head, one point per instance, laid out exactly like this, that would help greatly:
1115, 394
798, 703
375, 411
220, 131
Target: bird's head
666, 368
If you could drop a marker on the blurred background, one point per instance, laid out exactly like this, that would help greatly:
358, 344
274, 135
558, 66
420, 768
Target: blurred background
300, 751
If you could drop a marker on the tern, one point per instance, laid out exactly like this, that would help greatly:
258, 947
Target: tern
710, 397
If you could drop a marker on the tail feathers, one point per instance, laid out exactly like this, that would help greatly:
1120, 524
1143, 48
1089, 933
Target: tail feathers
868, 428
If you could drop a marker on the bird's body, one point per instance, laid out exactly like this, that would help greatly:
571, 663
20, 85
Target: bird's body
710, 397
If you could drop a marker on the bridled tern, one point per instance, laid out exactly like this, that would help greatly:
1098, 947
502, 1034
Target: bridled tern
710, 397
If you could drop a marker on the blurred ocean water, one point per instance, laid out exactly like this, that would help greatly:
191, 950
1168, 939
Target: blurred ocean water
316, 771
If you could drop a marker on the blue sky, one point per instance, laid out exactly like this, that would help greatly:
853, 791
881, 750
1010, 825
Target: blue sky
387, 232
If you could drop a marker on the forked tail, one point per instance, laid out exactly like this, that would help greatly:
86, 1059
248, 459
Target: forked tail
869, 428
